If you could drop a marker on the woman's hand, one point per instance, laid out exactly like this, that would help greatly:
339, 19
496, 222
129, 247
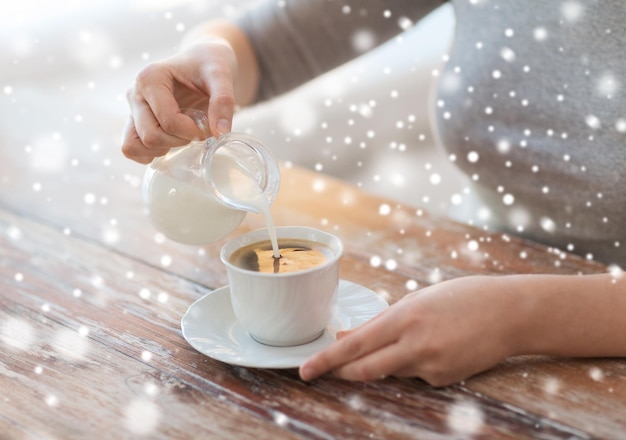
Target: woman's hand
443, 334
452, 330
200, 77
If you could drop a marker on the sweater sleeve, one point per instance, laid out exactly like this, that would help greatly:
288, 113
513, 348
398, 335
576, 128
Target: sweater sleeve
297, 40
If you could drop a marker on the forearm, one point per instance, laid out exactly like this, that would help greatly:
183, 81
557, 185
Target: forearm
298, 40
247, 76
577, 316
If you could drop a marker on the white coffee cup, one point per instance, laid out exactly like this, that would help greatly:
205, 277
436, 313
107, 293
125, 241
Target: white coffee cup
284, 309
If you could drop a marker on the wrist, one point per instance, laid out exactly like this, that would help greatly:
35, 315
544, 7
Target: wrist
568, 315
527, 316
537, 319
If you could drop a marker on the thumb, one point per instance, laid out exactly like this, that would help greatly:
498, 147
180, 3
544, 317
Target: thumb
221, 108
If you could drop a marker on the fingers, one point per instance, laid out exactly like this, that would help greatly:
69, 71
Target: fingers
143, 139
222, 102
370, 337
165, 119
376, 365
133, 148
153, 104
156, 124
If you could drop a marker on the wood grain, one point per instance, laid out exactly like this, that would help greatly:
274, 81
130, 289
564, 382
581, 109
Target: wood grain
105, 376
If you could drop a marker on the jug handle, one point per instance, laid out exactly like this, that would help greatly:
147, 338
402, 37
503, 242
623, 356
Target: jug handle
201, 120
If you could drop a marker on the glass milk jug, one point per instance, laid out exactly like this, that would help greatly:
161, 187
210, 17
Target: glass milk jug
199, 193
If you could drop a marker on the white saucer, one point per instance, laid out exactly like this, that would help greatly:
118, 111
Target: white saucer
209, 325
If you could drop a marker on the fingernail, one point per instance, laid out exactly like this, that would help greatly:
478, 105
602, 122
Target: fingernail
223, 126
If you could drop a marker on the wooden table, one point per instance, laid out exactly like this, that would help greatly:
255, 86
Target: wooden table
91, 299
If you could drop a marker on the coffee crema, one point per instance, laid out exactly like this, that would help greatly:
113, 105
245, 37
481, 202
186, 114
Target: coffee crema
295, 255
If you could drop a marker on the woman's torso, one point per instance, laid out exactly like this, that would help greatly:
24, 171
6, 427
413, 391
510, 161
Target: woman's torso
531, 106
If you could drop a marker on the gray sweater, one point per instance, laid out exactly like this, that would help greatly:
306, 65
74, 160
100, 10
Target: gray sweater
530, 103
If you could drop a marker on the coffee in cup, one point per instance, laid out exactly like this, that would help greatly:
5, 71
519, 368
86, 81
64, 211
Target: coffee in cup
295, 255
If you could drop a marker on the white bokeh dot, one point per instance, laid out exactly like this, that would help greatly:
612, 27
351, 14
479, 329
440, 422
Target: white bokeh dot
472, 157
141, 416
465, 418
